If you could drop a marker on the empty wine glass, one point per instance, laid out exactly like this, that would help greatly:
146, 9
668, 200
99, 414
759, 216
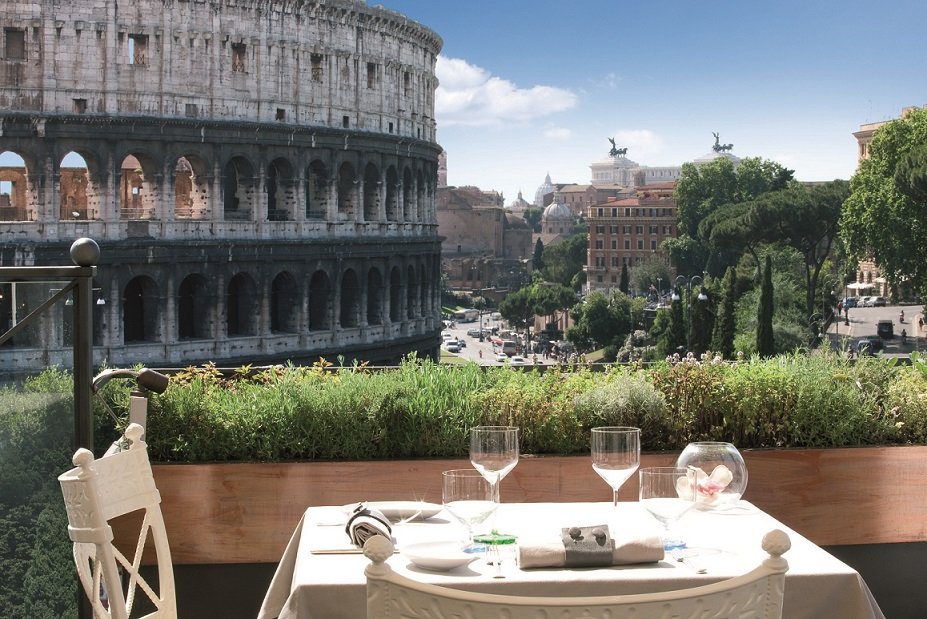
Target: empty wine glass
616, 454
468, 497
668, 492
494, 452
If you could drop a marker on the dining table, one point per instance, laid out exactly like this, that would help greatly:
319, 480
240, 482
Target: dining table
321, 574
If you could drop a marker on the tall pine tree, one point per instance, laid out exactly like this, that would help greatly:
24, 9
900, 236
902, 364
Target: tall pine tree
625, 284
722, 340
765, 343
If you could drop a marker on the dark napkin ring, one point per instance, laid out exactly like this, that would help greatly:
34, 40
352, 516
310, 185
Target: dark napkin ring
360, 510
587, 546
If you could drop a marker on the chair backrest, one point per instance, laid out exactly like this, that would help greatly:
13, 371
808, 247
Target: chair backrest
95, 492
757, 594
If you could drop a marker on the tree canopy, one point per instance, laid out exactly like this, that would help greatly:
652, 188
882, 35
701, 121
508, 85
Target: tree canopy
564, 262
885, 216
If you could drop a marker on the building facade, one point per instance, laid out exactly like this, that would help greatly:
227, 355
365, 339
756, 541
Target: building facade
626, 232
260, 177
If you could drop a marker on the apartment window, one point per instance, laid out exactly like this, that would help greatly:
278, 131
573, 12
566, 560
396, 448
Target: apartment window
613, 229
601, 212
598, 279
615, 261
598, 244
614, 212
315, 67
625, 260
190, 110
614, 244
600, 261
626, 229
238, 57
80, 106
15, 48
600, 229
653, 246
627, 243
654, 229
138, 49
640, 243
614, 279
639, 229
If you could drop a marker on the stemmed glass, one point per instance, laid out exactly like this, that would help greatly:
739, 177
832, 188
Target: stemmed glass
468, 497
616, 454
494, 452
668, 492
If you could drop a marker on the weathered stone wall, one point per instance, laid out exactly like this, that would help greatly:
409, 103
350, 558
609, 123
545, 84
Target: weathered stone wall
337, 63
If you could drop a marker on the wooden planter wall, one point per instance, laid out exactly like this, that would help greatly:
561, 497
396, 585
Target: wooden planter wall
245, 513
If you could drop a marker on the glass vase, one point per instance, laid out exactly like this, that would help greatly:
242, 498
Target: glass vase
720, 470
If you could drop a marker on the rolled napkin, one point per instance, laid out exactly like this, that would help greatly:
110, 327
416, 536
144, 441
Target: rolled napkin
589, 547
365, 522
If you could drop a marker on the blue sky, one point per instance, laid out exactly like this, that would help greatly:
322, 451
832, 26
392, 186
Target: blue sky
531, 87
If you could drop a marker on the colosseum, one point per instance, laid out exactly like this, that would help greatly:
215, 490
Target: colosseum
259, 174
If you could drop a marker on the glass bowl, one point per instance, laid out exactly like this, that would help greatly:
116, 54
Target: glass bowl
721, 473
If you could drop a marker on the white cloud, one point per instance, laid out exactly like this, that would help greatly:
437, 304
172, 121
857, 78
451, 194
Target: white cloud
470, 95
558, 133
641, 143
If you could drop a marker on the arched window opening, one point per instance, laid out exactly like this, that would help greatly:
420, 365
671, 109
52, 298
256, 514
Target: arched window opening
395, 295
238, 190
193, 309
284, 298
350, 300
393, 207
279, 188
411, 293
371, 193
317, 190
136, 194
241, 306
319, 301
408, 203
14, 189
140, 311
374, 297
191, 188
347, 192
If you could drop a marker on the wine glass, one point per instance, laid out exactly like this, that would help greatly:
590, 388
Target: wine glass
616, 454
668, 492
494, 452
468, 497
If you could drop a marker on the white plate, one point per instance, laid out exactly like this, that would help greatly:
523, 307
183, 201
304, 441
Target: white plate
440, 556
403, 510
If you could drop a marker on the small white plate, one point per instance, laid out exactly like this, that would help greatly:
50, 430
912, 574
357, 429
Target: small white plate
441, 556
403, 510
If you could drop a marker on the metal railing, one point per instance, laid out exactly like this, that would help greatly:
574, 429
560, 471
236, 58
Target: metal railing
79, 279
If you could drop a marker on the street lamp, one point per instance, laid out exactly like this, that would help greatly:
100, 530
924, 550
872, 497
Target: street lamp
686, 284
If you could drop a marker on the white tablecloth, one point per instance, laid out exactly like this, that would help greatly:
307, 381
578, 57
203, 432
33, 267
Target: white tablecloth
332, 586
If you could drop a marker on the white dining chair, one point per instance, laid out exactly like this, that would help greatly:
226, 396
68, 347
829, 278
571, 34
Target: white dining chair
758, 594
95, 492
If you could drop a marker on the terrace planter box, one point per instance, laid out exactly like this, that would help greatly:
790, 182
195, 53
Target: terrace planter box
245, 512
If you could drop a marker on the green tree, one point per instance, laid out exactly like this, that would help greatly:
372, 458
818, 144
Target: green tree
885, 216
624, 285
722, 340
537, 261
765, 342
701, 190
564, 261
651, 271
532, 216
518, 308
670, 329
601, 320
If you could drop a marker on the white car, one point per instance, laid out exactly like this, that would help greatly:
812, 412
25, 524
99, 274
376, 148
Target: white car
452, 346
517, 360
502, 358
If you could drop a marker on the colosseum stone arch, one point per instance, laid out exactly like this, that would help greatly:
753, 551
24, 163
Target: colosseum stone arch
260, 176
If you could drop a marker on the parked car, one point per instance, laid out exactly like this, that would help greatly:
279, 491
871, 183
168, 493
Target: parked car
885, 329
502, 358
452, 346
877, 301
517, 360
868, 346
850, 302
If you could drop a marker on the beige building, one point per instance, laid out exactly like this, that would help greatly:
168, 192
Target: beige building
628, 231
484, 245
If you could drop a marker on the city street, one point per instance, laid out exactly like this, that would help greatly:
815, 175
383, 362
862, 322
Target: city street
471, 352
863, 322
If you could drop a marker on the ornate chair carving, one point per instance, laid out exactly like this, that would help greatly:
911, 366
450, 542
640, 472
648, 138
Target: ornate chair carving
758, 594
95, 492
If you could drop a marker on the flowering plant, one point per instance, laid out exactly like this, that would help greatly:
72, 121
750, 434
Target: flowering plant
708, 488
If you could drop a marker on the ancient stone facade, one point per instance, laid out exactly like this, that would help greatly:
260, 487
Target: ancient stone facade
260, 176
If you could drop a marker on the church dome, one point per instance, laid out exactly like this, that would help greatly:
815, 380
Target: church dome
542, 191
557, 211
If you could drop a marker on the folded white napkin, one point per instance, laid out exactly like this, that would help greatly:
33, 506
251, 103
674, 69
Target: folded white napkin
365, 522
627, 547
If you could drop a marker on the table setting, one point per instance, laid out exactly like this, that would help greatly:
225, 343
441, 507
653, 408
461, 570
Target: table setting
690, 526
